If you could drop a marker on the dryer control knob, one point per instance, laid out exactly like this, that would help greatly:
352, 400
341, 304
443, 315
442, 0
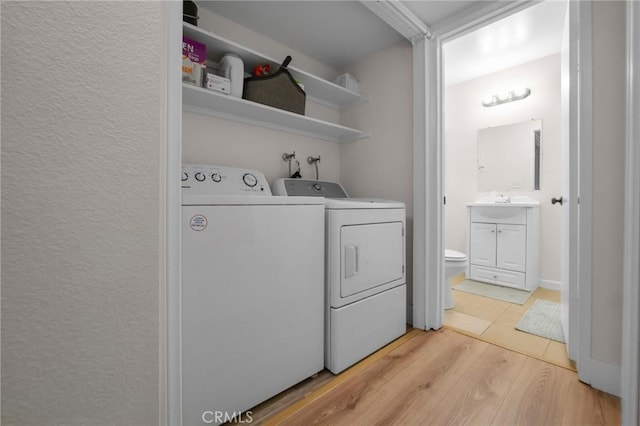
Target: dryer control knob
317, 187
200, 177
185, 176
216, 177
250, 180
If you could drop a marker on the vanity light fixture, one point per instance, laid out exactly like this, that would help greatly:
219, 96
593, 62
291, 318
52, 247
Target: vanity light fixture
504, 97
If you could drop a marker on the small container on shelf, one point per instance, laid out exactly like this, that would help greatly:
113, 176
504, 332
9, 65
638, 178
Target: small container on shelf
348, 81
217, 84
190, 12
215, 80
194, 56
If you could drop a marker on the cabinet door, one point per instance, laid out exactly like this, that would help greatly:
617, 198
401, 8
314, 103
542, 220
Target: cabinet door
482, 244
512, 247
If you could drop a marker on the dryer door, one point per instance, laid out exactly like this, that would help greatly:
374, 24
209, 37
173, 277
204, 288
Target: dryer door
372, 255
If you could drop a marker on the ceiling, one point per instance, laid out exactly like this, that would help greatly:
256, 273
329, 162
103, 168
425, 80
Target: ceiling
336, 33
340, 33
523, 37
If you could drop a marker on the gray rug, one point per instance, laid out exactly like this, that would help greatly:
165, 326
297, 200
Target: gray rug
543, 319
507, 294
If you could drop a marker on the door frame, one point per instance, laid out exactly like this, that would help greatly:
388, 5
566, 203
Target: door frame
171, 300
428, 156
630, 374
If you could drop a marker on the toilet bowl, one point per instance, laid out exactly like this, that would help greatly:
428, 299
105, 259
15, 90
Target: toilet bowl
454, 264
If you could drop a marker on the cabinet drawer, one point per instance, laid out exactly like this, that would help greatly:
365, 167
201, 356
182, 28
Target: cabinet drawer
497, 276
511, 215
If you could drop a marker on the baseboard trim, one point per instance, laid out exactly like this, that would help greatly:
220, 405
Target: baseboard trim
601, 375
551, 285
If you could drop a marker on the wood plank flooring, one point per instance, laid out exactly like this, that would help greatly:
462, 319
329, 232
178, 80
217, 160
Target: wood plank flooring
446, 378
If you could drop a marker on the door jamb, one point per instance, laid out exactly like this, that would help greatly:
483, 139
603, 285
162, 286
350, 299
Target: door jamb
630, 374
171, 394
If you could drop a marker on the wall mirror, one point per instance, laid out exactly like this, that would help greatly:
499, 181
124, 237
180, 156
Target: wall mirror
509, 157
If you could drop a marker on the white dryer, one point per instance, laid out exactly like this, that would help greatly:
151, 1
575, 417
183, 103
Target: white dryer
365, 277
252, 292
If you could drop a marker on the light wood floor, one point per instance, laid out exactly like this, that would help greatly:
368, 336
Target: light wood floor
494, 321
444, 377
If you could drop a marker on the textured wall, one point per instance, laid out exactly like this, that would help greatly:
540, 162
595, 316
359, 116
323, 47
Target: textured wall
608, 179
465, 115
81, 138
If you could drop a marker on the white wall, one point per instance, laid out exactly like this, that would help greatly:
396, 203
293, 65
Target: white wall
82, 96
381, 166
465, 115
608, 179
210, 140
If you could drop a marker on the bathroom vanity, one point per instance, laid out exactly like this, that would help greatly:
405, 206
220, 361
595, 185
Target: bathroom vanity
504, 243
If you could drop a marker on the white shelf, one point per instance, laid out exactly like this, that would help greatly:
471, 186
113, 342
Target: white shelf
203, 101
317, 89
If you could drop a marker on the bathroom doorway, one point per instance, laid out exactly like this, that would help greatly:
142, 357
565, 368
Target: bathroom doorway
502, 75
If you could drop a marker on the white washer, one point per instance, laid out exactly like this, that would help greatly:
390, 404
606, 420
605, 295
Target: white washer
365, 275
252, 292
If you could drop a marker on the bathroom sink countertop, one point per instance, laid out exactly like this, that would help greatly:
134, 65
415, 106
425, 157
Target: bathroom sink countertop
505, 201
503, 204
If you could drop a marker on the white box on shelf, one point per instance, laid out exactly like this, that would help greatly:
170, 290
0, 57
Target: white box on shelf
219, 84
348, 81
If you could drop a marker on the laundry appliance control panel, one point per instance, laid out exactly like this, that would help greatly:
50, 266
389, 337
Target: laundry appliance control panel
308, 188
220, 180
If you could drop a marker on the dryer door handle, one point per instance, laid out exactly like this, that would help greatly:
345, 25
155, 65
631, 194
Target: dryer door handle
350, 260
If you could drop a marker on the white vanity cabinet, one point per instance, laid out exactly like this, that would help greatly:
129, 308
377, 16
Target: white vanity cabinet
504, 244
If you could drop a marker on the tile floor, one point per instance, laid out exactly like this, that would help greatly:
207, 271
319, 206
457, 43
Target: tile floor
494, 321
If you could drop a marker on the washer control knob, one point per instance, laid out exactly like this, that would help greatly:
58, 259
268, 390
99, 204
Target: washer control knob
200, 177
185, 176
317, 187
250, 180
216, 177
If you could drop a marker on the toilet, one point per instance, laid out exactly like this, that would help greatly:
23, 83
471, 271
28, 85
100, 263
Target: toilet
454, 263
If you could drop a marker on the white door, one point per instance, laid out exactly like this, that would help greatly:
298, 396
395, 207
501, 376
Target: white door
371, 256
569, 147
512, 247
482, 244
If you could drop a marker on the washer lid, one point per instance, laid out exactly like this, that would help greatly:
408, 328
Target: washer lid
362, 203
454, 255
